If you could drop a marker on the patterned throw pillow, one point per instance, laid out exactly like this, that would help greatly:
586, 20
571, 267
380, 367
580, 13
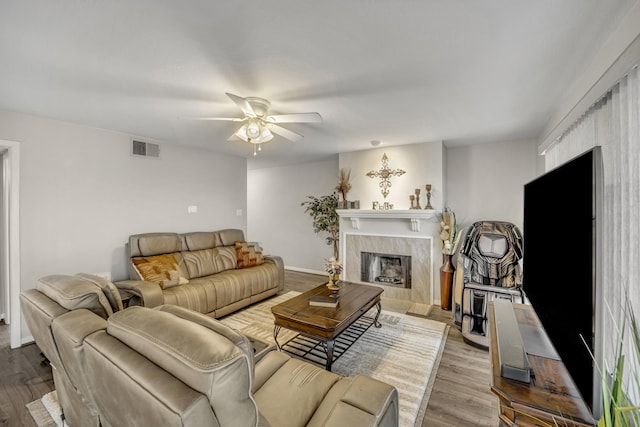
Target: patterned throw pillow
248, 255
161, 269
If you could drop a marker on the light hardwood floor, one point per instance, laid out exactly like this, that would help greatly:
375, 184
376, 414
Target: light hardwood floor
460, 396
23, 378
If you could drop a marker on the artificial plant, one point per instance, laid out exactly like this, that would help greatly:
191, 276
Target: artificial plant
344, 185
325, 218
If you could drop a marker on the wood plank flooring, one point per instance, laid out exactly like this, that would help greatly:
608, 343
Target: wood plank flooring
460, 396
23, 379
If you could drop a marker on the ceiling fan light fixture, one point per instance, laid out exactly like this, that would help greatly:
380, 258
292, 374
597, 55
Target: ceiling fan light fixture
266, 134
242, 132
254, 129
258, 125
254, 132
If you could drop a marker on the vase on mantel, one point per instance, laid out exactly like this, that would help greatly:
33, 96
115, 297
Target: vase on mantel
446, 282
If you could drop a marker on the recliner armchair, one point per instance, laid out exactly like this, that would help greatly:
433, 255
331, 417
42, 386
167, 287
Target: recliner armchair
171, 366
61, 296
488, 268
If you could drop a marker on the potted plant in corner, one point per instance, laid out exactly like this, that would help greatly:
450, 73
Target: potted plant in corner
450, 235
325, 218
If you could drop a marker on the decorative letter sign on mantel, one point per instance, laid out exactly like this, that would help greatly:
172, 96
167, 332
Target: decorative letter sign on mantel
414, 216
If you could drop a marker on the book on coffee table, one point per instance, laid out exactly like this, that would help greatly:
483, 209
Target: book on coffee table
322, 301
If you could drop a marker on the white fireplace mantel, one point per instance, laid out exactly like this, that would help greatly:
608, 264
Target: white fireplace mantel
412, 215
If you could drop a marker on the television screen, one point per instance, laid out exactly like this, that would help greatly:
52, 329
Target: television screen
560, 264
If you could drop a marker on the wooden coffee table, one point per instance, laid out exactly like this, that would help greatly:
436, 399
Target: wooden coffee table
323, 323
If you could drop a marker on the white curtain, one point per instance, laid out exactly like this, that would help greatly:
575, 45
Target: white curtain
614, 124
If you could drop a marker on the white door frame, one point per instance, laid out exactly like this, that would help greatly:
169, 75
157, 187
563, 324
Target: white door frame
11, 226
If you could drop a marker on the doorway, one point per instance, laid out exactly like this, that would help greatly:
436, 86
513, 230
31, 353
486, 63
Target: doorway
10, 240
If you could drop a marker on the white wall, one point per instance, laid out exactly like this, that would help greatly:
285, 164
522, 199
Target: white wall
423, 165
276, 218
82, 194
486, 182
482, 182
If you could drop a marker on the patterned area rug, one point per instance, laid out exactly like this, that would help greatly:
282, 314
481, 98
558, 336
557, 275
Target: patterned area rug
405, 352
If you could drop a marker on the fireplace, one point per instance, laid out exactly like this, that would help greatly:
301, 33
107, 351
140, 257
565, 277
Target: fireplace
386, 269
419, 273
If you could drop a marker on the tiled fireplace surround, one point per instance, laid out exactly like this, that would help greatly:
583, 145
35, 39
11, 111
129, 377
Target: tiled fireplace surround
398, 232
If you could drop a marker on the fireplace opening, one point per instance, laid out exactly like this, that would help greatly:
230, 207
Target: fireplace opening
386, 269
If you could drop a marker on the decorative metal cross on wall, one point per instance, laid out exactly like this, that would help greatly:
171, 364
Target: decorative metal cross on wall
384, 174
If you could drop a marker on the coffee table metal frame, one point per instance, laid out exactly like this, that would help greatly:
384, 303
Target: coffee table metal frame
343, 325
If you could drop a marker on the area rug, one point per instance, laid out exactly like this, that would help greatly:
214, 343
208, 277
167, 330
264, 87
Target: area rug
404, 352
46, 411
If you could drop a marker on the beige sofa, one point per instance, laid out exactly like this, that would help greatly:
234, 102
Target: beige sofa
213, 273
170, 366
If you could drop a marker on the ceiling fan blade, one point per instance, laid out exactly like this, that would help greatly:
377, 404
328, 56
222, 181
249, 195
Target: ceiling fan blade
226, 119
233, 137
243, 104
285, 133
296, 118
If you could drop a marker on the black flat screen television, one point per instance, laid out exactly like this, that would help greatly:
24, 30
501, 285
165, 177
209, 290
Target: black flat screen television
561, 265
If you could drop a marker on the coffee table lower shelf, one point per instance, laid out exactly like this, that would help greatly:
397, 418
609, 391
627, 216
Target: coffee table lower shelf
316, 351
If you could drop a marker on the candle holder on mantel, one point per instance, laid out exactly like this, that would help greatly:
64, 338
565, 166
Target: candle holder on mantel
428, 189
418, 199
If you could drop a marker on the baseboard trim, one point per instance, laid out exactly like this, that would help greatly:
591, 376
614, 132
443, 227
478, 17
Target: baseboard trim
305, 270
27, 340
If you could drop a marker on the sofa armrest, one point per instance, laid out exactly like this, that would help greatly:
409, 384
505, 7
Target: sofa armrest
366, 402
277, 260
149, 293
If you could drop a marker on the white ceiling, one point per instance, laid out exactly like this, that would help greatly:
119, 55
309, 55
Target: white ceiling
399, 71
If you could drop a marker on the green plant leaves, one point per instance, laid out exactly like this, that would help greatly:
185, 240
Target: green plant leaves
325, 218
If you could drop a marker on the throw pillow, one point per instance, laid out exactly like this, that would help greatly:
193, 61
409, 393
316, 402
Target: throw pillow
247, 255
161, 269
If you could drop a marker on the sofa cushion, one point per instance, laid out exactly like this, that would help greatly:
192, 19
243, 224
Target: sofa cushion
209, 261
301, 385
229, 236
200, 240
150, 244
160, 269
248, 255
199, 295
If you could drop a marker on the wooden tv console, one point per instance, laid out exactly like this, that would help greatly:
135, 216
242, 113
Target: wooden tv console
550, 399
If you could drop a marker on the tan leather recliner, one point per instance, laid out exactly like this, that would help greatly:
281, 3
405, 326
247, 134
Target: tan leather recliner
172, 366
56, 297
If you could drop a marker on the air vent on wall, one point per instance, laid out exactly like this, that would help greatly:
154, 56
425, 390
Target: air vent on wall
144, 149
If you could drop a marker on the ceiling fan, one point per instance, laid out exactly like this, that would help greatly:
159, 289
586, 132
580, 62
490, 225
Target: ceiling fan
258, 126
